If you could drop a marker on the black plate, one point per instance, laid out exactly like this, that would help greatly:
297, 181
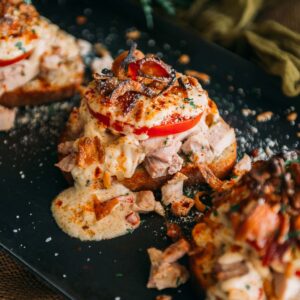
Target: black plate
119, 267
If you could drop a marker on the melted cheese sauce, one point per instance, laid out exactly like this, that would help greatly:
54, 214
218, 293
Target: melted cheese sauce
152, 112
74, 213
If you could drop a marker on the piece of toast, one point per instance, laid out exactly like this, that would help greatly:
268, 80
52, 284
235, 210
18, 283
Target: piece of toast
221, 166
141, 180
40, 90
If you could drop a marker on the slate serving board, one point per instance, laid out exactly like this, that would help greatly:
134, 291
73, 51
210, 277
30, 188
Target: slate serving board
118, 268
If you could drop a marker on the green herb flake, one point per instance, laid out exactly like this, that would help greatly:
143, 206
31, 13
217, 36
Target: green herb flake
247, 286
215, 213
19, 45
234, 208
289, 162
28, 2
294, 234
190, 101
119, 275
129, 230
283, 208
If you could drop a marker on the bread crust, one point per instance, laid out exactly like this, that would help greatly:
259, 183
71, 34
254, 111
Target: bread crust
47, 93
141, 180
221, 166
39, 91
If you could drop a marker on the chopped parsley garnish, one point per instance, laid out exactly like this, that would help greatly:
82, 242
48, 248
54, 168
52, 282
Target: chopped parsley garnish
215, 213
247, 286
234, 208
283, 207
288, 162
19, 45
190, 101
294, 234
27, 2
119, 275
188, 157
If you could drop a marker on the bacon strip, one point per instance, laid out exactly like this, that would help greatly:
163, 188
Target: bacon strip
211, 179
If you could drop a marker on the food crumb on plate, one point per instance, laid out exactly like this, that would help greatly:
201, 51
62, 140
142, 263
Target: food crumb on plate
184, 59
48, 239
80, 20
292, 117
133, 34
264, 116
163, 297
248, 112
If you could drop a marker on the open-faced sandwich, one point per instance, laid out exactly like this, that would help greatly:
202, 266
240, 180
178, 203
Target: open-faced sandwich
140, 125
248, 247
38, 61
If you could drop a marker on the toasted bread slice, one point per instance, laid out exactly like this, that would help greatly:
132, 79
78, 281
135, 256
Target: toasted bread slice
42, 90
141, 180
221, 166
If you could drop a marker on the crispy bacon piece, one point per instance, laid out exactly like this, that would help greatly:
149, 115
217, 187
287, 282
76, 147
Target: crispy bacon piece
259, 225
120, 64
182, 207
174, 231
103, 209
89, 151
211, 179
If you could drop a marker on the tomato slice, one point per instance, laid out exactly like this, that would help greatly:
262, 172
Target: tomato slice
160, 130
8, 62
170, 128
147, 67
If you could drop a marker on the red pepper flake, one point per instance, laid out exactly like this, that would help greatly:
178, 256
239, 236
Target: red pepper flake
80, 20
58, 203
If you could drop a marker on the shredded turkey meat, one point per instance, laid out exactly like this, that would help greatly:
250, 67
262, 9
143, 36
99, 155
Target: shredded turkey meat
164, 161
172, 191
145, 203
165, 271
